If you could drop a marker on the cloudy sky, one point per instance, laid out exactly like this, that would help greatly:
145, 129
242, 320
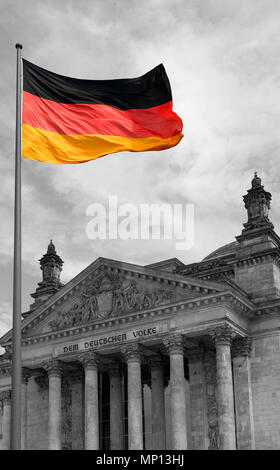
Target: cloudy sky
222, 59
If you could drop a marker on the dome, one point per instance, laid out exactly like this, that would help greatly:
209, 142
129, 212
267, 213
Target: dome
225, 250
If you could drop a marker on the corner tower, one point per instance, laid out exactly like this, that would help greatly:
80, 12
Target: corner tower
258, 252
51, 266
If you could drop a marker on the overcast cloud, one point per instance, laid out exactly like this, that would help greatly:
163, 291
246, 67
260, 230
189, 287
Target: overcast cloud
222, 59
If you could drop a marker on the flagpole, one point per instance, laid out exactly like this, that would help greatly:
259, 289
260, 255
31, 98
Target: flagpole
16, 346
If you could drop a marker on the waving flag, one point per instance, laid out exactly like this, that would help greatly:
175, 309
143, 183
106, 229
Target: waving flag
69, 120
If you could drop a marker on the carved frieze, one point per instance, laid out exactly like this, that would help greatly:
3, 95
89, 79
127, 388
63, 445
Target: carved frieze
109, 295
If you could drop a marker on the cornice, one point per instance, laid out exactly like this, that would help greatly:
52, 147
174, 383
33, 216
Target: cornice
256, 232
211, 268
217, 275
205, 267
267, 310
272, 255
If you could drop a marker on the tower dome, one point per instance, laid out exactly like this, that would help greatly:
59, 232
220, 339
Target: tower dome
226, 250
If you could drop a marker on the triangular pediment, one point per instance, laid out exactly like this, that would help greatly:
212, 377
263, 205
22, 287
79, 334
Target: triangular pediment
109, 289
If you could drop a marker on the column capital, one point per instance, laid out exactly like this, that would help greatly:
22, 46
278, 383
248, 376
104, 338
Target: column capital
174, 343
89, 360
25, 375
222, 335
53, 368
241, 347
132, 352
5, 397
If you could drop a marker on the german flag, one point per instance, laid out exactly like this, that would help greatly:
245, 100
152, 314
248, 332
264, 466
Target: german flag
69, 120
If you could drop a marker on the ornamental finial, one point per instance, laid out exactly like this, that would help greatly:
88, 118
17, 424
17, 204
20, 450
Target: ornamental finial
257, 202
256, 181
51, 247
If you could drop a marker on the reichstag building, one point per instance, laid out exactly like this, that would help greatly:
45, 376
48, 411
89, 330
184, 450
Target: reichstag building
163, 356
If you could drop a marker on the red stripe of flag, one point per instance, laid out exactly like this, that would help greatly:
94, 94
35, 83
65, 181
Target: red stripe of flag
71, 119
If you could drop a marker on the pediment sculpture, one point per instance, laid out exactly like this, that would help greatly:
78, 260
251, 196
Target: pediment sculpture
109, 295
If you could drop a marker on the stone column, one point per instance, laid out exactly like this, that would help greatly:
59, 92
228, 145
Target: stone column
90, 363
6, 419
116, 408
241, 350
25, 374
77, 384
198, 398
174, 346
54, 371
158, 405
211, 400
223, 337
132, 353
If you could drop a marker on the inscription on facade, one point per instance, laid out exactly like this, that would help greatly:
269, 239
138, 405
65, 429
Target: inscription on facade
108, 340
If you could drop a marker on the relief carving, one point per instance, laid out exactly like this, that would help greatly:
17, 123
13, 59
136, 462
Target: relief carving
109, 295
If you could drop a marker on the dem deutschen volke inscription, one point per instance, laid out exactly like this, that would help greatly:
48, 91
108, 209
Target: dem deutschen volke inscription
83, 345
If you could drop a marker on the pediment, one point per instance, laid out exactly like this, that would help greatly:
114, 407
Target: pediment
108, 290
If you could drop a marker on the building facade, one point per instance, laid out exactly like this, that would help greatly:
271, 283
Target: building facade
164, 356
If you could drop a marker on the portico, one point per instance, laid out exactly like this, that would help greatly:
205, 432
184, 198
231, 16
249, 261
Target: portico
109, 404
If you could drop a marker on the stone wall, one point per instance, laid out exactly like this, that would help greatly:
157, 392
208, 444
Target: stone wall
265, 377
261, 280
198, 405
